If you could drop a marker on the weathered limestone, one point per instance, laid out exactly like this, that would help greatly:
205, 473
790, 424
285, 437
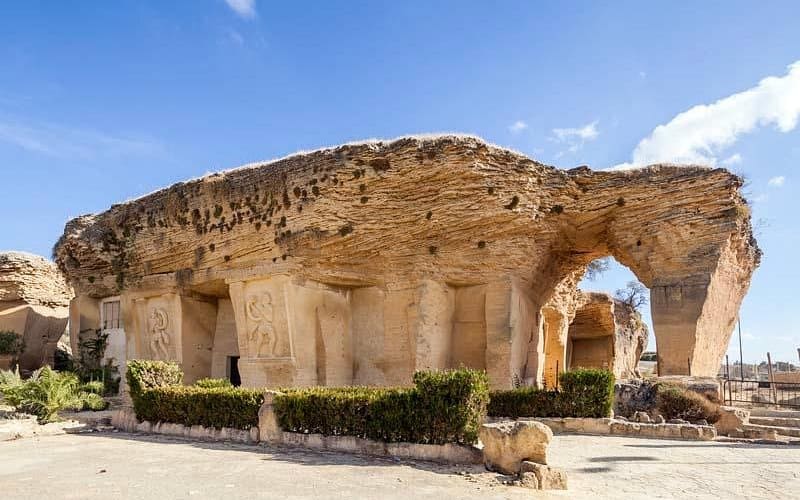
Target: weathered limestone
542, 477
507, 444
732, 420
34, 300
361, 263
606, 333
619, 427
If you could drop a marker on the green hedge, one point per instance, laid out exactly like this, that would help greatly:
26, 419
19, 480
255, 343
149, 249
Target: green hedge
147, 374
581, 393
213, 383
216, 407
158, 396
442, 407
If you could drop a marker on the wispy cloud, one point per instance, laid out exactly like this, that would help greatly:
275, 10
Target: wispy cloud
72, 143
517, 127
699, 134
733, 159
574, 138
777, 181
243, 8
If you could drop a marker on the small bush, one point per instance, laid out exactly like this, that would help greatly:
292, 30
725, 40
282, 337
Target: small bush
47, 392
11, 343
213, 383
442, 407
582, 393
216, 407
92, 401
94, 387
587, 393
9, 378
146, 374
677, 402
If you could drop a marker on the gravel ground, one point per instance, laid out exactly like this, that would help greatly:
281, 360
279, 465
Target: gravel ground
118, 465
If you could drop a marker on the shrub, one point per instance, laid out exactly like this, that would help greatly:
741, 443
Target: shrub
215, 407
146, 374
213, 383
523, 402
92, 401
582, 393
11, 343
442, 407
677, 402
9, 378
47, 392
94, 387
587, 393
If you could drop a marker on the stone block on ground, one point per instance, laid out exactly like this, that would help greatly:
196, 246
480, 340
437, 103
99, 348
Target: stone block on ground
507, 444
731, 420
546, 477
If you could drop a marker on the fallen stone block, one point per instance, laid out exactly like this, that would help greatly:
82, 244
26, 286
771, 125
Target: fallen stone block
547, 478
507, 444
731, 420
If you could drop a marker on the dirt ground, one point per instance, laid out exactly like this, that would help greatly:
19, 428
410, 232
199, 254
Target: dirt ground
118, 465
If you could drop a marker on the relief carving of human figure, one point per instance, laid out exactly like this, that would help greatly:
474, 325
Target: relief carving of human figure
159, 337
262, 333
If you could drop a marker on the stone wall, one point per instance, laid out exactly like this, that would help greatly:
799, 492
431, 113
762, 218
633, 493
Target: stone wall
385, 253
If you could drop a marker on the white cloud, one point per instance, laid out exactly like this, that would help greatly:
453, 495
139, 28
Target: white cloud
517, 127
575, 138
65, 142
699, 134
244, 8
733, 159
777, 181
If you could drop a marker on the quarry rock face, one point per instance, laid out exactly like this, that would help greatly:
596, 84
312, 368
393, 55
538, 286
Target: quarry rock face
34, 303
606, 333
363, 262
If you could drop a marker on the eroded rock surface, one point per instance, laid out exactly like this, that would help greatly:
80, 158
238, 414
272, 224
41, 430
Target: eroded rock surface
420, 252
507, 444
34, 303
606, 333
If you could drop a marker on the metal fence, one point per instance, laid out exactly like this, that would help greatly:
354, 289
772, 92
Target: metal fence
761, 392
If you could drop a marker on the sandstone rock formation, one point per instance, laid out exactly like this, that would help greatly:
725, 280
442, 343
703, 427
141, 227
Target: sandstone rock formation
34, 303
507, 444
364, 262
606, 333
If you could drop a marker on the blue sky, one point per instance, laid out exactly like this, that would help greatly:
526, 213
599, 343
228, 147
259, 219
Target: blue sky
104, 101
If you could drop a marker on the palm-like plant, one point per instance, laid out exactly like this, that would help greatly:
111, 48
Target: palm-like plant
45, 393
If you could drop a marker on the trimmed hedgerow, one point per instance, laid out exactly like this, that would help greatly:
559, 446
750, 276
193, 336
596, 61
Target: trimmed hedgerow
158, 396
587, 392
147, 374
442, 407
524, 402
216, 407
213, 383
582, 393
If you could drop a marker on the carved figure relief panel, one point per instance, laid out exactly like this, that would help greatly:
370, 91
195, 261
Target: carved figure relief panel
159, 336
264, 326
261, 333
